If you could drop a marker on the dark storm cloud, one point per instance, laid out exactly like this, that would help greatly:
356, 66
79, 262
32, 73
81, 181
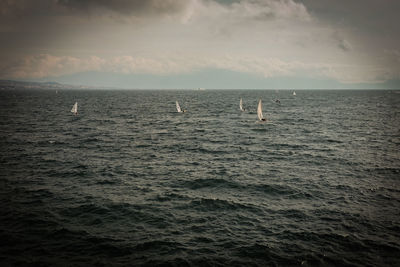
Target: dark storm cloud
370, 16
25, 23
31, 8
22, 8
127, 7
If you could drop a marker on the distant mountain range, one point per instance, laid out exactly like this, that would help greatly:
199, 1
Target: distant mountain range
10, 85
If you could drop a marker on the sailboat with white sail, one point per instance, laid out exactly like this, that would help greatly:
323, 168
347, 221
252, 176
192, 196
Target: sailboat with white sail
259, 112
178, 108
75, 108
241, 105
294, 92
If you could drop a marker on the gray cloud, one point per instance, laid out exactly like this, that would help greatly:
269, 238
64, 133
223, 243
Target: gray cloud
127, 7
367, 15
23, 8
344, 45
36, 26
31, 8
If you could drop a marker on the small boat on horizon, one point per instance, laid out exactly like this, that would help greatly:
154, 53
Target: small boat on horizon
75, 109
178, 108
241, 105
294, 92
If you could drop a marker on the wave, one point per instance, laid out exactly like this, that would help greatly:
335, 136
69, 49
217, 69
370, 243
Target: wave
215, 204
211, 182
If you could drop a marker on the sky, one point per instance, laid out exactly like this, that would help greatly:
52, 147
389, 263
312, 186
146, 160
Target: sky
272, 44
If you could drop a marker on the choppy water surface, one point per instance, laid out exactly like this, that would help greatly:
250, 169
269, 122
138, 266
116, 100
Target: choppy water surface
130, 181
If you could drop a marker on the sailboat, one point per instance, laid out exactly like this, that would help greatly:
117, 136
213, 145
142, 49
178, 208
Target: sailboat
294, 92
75, 108
178, 108
259, 112
241, 105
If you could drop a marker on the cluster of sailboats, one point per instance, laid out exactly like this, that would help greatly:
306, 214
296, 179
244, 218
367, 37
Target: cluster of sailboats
260, 115
259, 109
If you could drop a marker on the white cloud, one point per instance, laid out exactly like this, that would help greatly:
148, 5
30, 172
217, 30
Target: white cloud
246, 10
52, 66
45, 65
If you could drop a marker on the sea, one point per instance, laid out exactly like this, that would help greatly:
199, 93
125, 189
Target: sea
129, 181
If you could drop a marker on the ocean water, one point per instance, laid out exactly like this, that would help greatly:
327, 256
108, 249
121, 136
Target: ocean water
129, 181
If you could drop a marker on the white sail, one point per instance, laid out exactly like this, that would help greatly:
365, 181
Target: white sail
259, 110
294, 92
75, 108
178, 108
241, 105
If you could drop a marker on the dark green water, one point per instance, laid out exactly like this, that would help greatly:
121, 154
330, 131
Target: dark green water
129, 181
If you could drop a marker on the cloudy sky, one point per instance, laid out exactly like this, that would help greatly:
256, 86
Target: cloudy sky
202, 43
